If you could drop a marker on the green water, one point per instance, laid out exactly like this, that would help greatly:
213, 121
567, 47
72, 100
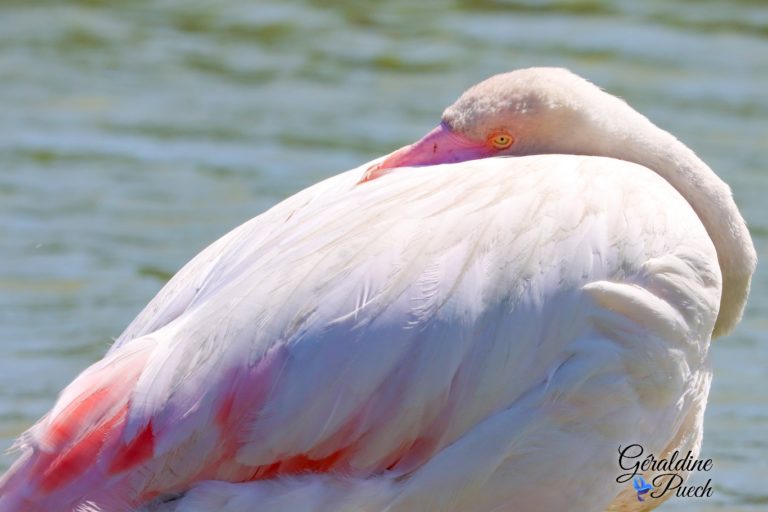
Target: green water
134, 133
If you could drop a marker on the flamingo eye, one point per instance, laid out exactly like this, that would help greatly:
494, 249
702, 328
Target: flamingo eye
501, 141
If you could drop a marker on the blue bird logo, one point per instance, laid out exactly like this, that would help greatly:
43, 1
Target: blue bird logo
641, 486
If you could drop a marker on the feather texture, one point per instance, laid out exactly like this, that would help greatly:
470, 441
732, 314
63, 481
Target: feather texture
418, 342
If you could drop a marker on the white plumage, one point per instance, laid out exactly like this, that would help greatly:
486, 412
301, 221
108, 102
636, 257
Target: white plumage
478, 336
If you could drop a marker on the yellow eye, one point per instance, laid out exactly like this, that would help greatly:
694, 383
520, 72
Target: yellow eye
501, 141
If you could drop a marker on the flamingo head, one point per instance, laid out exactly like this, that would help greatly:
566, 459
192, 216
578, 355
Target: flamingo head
523, 112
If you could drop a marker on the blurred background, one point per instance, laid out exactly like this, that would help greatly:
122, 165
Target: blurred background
132, 134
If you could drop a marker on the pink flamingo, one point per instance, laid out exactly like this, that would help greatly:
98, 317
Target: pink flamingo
476, 336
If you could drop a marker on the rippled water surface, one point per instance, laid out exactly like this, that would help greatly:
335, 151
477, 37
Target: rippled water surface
134, 133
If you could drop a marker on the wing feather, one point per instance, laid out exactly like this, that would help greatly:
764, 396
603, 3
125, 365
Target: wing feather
365, 328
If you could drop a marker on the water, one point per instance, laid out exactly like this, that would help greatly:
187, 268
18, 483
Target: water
133, 135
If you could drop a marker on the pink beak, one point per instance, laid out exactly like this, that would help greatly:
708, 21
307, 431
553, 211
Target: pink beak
440, 146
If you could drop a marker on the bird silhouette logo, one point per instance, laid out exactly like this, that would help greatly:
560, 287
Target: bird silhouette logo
641, 486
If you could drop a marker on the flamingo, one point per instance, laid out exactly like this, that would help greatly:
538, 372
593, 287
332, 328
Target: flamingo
475, 322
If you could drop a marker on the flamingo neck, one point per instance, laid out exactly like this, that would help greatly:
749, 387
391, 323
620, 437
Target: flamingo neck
712, 201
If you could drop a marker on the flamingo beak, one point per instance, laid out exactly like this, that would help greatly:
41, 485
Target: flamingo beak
440, 146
